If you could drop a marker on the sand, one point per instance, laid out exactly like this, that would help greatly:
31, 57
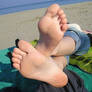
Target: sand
23, 25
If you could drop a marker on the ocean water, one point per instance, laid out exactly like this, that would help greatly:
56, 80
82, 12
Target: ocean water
10, 6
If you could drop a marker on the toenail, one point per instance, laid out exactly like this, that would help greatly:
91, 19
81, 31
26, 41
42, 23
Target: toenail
9, 54
16, 43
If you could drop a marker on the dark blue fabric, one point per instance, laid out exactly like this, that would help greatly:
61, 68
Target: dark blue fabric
75, 84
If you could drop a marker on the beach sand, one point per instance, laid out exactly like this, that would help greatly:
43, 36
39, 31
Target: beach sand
23, 25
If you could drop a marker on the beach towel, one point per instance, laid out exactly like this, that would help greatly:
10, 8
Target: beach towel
84, 62
11, 78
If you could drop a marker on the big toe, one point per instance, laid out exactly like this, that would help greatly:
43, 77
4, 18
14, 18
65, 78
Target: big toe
52, 10
25, 46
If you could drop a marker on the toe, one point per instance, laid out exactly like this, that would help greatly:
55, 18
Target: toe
64, 27
63, 21
25, 46
17, 66
60, 12
17, 56
19, 52
16, 60
63, 16
52, 10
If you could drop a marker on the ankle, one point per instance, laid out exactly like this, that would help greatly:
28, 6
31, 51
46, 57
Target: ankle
41, 48
56, 50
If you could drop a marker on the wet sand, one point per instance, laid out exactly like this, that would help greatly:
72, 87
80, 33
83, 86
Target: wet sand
23, 25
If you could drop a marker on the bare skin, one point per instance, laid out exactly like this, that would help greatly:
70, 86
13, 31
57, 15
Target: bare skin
36, 65
52, 27
67, 45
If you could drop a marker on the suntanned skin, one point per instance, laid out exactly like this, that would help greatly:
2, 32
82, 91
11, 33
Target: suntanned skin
52, 27
36, 63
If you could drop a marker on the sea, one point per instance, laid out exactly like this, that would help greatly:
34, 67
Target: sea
12, 6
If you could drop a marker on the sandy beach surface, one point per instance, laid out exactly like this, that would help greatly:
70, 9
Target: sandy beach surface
23, 25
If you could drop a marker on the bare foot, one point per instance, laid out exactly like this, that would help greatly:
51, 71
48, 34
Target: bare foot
52, 27
32, 64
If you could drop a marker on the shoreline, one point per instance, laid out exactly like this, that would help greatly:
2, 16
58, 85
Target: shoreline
8, 6
23, 25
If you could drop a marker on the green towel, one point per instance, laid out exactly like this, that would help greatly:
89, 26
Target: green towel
84, 62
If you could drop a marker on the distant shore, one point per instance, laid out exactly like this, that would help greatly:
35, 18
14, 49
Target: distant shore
23, 25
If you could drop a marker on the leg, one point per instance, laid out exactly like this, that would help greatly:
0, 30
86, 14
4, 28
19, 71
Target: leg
48, 41
74, 40
61, 61
52, 27
65, 47
41, 67
32, 64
